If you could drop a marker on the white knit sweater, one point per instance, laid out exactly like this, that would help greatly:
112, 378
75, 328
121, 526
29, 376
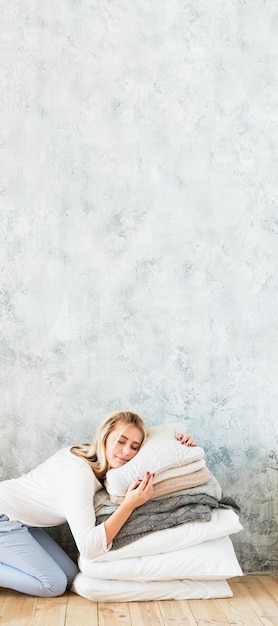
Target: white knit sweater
60, 489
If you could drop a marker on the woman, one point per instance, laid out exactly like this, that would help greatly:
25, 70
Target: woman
62, 489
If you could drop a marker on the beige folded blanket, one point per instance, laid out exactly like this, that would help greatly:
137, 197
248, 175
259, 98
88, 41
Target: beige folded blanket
176, 483
181, 470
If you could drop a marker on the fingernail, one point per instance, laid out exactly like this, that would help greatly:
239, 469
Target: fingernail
148, 473
153, 475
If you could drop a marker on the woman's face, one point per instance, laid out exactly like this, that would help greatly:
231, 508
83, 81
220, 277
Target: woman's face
122, 444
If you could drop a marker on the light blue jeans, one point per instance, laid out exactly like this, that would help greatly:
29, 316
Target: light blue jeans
32, 562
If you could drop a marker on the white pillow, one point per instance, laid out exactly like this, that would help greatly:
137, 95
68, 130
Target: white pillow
159, 453
223, 522
100, 590
210, 560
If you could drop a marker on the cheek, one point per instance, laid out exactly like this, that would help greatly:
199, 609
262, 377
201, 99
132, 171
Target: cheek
113, 447
134, 452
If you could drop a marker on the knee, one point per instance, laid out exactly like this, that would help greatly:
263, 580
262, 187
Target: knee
55, 586
71, 574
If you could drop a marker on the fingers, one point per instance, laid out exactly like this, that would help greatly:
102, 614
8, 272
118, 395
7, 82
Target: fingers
148, 479
143, 482
145, 487
187, 439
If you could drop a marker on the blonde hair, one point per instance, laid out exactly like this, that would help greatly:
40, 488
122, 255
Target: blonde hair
94, 453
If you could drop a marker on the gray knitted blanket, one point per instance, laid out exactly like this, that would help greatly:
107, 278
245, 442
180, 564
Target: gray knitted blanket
159, 513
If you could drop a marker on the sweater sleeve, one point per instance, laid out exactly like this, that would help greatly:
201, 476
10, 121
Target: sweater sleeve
75, 489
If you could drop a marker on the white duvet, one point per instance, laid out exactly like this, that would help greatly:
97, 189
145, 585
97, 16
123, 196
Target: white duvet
99, 590
223, 522
210, 560
190, 561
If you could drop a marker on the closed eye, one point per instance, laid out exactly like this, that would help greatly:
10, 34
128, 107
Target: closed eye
123, 441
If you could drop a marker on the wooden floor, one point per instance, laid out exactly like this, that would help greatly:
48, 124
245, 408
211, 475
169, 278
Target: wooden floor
255, 601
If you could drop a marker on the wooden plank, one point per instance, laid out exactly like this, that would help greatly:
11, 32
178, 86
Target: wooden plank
145, 613
2, 600
254, 602
50, 611
237, 610
268, 606
113, 614
176, 613
258, 597
271, 584
204, 610
17, 605
81, 612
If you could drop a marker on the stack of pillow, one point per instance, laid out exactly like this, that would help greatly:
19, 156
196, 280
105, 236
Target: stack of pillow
175, 546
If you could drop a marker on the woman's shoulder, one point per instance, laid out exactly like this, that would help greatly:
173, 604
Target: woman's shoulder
77, 463
68, 455
66, 459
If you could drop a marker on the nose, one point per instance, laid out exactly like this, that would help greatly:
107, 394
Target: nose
125, 451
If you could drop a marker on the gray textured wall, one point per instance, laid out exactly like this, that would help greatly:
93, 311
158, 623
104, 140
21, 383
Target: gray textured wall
139, 227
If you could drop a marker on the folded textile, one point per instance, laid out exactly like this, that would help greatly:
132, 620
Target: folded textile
160, 513
148, 521
211, 488
210, 560
179, 470
101, 590
223, 522
104, 505
172, 485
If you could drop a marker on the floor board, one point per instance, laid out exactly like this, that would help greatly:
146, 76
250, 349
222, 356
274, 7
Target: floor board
254, 603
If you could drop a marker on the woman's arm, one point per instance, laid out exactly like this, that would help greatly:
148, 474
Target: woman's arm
75, 487
138, 493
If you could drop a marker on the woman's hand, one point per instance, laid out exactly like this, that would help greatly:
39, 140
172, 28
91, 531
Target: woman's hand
187, 439
140, 491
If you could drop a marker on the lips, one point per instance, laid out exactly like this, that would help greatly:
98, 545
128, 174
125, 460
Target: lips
121, 460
